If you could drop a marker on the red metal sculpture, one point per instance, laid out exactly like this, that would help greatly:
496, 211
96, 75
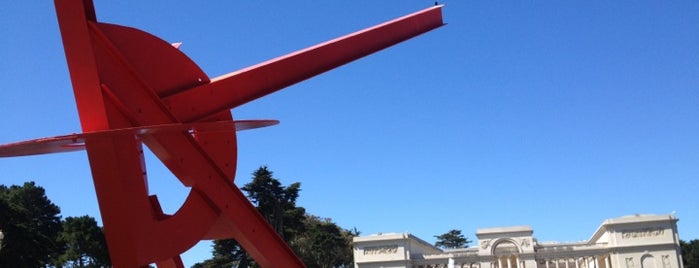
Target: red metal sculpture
132, 88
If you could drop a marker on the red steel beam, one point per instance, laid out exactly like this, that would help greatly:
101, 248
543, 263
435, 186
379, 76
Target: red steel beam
236, 88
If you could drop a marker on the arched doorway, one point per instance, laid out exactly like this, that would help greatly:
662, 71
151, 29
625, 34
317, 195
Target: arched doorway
507, 255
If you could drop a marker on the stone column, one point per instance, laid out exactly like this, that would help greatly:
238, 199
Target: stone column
606, 262
594, 258
509, 262
547, 263
577, 262
520, 263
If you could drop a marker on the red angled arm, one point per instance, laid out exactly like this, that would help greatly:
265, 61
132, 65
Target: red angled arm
236, 88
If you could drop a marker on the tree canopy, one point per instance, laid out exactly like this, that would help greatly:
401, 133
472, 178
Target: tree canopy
323, 244
318, 242
35, 236
690, 253
452, 239
83, 242
275, 202
30, 224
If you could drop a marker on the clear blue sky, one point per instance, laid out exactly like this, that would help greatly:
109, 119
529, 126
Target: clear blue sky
553, 114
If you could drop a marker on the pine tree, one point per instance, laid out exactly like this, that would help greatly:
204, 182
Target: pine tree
452, 239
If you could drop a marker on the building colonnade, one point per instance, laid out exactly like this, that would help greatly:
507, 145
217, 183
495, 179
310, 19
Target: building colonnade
577, 262
509, 261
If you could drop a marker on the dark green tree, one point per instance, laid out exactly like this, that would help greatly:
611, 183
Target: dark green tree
6, 212
690, 253
318, 242
226, 253
452, 239
323, 244
84, 244
30, 223
276, 203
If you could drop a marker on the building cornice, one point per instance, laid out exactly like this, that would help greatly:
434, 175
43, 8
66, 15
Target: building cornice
629, 219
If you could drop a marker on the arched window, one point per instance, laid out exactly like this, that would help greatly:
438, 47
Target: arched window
648, 261
505, 248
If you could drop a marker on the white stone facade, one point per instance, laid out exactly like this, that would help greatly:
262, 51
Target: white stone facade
637, 241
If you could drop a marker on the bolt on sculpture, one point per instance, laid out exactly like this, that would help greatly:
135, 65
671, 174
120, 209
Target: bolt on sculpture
132, 88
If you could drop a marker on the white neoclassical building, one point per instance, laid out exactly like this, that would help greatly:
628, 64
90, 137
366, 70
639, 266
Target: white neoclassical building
637, 241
